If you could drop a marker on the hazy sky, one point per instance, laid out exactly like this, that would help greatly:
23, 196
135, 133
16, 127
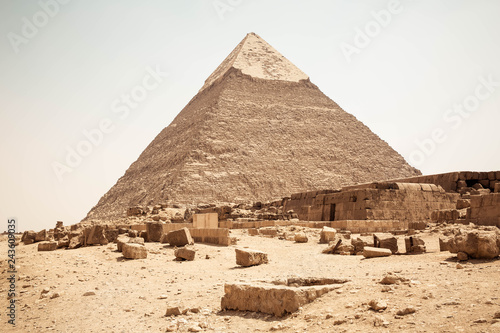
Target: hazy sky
423, 75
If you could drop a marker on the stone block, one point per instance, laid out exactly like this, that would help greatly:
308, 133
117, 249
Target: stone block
122, 239
327, 235
41, 236
476, 244
276, 300
386, 241
301, 237
414, 244
247, 257
134, 251
180, 237
185, 253
373, 252
154, 231
206, 221
28, 237
47, 246
253, 232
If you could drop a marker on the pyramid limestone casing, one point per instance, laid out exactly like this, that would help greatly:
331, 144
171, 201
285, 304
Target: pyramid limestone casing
257, 130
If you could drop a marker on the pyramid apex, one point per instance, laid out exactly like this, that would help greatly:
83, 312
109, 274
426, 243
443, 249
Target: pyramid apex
255, 57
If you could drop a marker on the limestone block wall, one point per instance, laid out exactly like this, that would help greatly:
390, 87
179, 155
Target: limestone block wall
485, 209
377, 201
454, 181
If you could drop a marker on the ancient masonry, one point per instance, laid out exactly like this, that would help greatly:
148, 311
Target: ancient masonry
460, 197
258, 129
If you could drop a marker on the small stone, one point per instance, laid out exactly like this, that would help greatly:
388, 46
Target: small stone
45, 290
89, 293
497, 315
459, 266
462, 256
55, 295
480, 321
301, 237
174, 311
408, 310
377, 305
247, 257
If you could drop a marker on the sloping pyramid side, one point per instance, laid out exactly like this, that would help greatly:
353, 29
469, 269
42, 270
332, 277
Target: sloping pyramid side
245, 138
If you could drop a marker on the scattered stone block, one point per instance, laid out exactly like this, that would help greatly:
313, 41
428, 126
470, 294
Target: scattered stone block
391, 278
359, 243
301, 237
185, 253
176, 310
47, 246
75, 242
414, 245
154, 231
377, 305
64, 242
406, 311
327, 235
276, 300
246, 257
462, 256
28, 237
476, 244
41, 236
180, 237
122, 239
134, 251
373, 252
386, 241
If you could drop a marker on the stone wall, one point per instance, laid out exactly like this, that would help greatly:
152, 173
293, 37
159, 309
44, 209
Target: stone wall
377, 201
455, 181
484, 209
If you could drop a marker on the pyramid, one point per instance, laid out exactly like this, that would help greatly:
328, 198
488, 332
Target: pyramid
257, 130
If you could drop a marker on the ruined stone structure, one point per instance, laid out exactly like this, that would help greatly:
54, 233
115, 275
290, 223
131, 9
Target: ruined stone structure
257, 130
459, 197
398, 202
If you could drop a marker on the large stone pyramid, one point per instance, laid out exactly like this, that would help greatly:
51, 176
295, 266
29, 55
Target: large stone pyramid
258, 129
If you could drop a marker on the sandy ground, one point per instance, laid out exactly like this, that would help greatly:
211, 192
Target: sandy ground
133, 295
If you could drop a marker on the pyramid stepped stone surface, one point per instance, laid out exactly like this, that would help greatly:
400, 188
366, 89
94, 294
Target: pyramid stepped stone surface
257, 130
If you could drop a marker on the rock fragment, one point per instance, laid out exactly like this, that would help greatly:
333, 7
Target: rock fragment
247, 257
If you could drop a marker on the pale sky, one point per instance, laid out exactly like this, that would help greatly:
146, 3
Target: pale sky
415, 72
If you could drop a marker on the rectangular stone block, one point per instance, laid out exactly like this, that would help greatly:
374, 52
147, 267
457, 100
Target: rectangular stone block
247, 257
373, 252
276, 300
180, 237
206, 221
47, 246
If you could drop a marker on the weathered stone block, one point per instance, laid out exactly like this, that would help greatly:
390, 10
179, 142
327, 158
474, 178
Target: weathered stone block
47, 246
246, 257
414, 244
41, 236
373, 252
476, 244
301, 237
154, 231
386, 241
134, 251
185, 253
122, 239
180, 237
327, 235
275, 300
